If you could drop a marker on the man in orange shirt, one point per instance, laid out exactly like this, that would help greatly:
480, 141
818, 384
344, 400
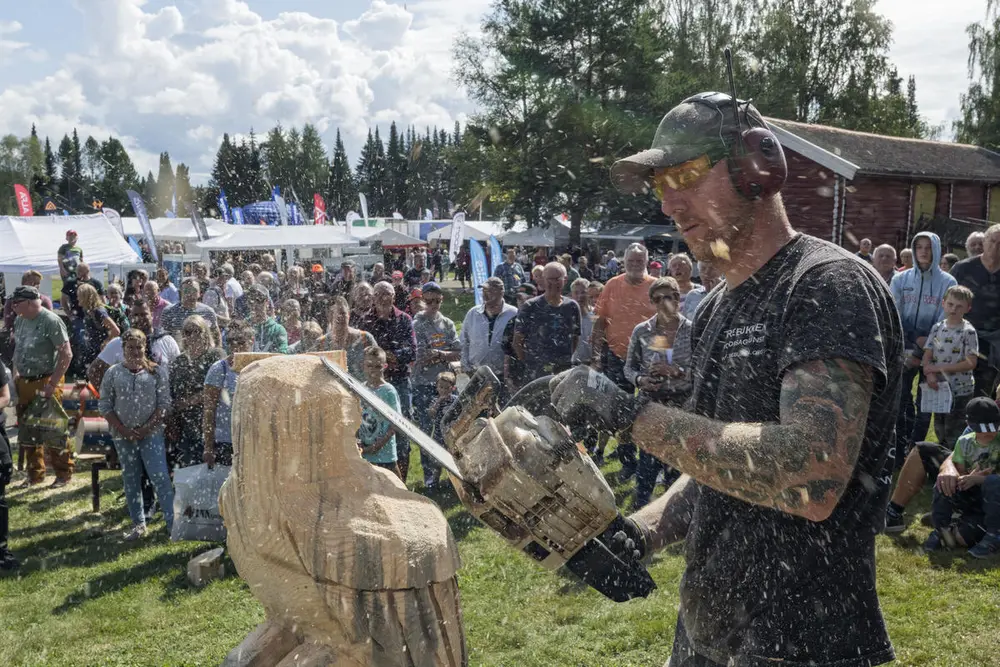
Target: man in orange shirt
624, 303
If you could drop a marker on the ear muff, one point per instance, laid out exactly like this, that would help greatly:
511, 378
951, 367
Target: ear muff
756, 161
758, 169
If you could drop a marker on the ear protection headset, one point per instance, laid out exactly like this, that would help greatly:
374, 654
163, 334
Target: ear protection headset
757, 164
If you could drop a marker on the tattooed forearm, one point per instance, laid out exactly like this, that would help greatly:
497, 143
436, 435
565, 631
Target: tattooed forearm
800, 465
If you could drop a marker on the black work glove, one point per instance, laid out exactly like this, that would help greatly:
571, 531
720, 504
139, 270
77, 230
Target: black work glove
630, 539
583, 396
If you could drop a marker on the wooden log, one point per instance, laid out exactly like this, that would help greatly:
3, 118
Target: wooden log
206, 567
267, 645
333, 547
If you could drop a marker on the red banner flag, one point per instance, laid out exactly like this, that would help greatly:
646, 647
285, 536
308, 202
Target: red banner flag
319, 210
23, 201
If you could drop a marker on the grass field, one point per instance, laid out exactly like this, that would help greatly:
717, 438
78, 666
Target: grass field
86, 598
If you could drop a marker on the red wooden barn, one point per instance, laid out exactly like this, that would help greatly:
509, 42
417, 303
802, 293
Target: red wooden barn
845, 186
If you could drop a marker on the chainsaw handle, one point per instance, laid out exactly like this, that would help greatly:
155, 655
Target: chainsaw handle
536, 398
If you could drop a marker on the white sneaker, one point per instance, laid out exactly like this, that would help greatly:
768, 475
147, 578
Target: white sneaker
137, 533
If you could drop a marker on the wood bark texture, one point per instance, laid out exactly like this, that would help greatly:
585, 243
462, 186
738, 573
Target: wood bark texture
359, 570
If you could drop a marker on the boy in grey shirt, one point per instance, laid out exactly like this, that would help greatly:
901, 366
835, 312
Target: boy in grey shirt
437, 347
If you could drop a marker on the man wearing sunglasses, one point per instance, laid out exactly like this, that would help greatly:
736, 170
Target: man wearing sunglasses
796, 370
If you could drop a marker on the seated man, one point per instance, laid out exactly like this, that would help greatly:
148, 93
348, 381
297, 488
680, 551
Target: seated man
925, 463
974, 493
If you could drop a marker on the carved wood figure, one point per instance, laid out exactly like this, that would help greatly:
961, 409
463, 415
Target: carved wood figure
352, 568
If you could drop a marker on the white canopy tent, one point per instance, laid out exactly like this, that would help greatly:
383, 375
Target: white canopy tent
555, 235
389, 238
247, 237
174, 229
32, 243
480, 230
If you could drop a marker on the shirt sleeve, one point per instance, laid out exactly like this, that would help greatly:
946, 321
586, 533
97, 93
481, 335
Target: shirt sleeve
826, 297
633, 363
453, 343
464, 342
58, 334
971, 342
106, 404
281, 339
112, 352
524, 319
216, 376
162, 389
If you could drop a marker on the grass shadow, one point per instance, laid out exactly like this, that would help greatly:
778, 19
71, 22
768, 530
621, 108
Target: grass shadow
123, 578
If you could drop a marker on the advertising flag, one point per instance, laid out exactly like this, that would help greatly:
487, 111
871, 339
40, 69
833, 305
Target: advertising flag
238, 216
224, 206
496, 255
480, 272
115, 219
49, 206
24, 207
319, 210
457, 236
351, 217
172, 213
279, 201
364, 206
296, 216
428, 214
200, 230
147, 229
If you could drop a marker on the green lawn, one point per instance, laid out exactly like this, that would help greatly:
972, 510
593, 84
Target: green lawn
86, 598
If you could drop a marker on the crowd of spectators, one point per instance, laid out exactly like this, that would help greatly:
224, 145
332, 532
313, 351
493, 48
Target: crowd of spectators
161, 356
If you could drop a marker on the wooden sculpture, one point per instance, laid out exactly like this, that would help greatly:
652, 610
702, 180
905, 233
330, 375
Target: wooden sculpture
352, 568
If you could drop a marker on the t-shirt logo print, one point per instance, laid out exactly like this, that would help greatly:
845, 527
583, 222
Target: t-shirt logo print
744, 341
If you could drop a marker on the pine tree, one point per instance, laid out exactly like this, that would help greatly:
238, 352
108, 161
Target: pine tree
315, 168
148, 193
341, 190
223, 176
68, 187
378, 200
77, 157
164, 186
50, 166
119, 175
182, 181
396, 168
365, 172
92, 159
276, 158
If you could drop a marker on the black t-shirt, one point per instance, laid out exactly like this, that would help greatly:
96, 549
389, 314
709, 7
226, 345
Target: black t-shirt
985, 286
549, 333
412, 277
69, 289
761, 585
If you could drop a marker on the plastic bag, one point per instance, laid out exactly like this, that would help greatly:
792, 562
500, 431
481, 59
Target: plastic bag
196, 504
44, 422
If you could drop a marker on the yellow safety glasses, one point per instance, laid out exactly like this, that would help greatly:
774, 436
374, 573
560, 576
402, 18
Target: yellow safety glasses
681, 176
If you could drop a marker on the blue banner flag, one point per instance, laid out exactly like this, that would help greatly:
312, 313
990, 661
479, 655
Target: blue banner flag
479, 269
135, 246
279, 201
238, 216
147, 229
224, 207
496, 255
296, 215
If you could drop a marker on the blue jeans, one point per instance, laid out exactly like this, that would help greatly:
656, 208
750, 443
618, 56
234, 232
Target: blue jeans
979, 507
403, 388
423, 396
614, 369
151, 453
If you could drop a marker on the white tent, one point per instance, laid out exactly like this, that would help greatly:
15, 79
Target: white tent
479, 230
553, 236
256, 237
174, 229
390, 238
32, 243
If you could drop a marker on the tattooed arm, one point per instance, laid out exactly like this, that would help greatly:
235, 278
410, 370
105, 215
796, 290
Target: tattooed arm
800, 465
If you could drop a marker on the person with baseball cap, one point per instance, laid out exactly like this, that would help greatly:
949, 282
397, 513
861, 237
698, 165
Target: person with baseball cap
42, 355
786, 447
971, 488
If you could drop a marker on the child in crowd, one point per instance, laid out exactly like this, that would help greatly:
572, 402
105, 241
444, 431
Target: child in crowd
217, 401
447, 394
950, 355
135, 398
974, 492
376, 437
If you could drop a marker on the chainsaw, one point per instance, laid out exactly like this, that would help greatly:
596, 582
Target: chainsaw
521, 473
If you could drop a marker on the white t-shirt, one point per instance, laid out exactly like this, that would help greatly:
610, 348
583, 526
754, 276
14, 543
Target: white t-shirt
233, 289
165, 350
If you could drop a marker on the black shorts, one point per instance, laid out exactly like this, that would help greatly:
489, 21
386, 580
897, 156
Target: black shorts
932, 455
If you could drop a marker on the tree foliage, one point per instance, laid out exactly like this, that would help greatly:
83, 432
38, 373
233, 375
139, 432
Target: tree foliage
980, 122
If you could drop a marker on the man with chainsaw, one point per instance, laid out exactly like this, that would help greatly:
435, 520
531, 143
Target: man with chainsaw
785, 440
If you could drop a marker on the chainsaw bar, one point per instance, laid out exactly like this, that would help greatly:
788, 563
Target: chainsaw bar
398, 421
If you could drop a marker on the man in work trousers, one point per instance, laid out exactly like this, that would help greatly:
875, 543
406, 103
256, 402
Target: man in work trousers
785, 448
42, 355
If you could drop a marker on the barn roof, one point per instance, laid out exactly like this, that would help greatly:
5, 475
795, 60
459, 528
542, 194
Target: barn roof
848, 153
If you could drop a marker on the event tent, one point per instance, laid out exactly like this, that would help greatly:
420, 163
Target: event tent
389, 238
32, 243
480, 230
263, 237
174, 229
553, 236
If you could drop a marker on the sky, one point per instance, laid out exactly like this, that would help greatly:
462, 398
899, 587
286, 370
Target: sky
175, 74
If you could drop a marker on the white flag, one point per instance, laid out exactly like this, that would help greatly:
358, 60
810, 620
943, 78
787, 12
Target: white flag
364, 207
457, 235
116, 220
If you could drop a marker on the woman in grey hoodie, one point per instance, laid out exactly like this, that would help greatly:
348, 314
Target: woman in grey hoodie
135, 398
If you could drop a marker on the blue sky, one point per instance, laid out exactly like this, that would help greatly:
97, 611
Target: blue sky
165, 74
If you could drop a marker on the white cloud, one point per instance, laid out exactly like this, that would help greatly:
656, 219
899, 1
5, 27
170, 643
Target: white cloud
177, 81
179, 77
